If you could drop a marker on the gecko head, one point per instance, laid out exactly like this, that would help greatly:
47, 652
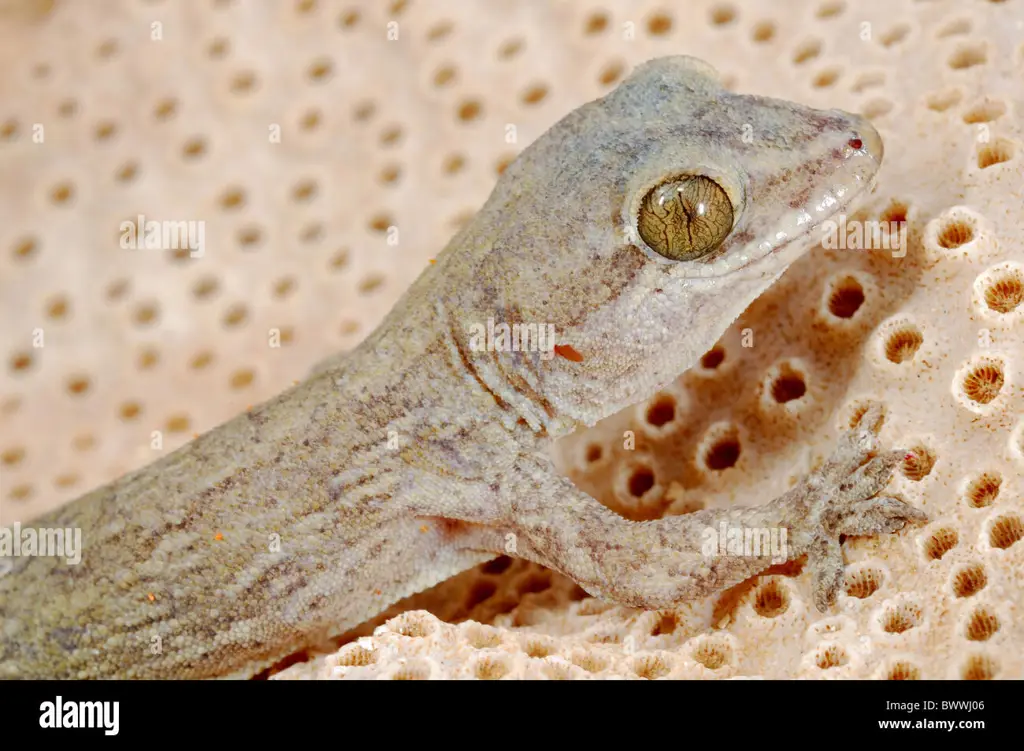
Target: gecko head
644, 223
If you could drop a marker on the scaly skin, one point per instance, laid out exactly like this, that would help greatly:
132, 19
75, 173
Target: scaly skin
417, 456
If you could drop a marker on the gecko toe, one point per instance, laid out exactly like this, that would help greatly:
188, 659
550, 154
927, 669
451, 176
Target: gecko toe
871, 420
825, 561
869, 479
879, 515
854, 448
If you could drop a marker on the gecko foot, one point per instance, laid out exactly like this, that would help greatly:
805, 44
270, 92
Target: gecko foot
847, 502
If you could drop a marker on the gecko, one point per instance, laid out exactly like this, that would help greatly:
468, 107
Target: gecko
640, 226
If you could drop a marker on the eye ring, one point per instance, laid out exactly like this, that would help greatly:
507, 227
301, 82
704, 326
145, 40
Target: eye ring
685, 218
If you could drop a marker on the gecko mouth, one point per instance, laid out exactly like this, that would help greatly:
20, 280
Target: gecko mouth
819, 213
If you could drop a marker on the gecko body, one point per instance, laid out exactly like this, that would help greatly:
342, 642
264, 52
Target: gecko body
639, 226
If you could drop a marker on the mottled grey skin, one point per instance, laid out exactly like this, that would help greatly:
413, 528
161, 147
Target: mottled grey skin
415, 457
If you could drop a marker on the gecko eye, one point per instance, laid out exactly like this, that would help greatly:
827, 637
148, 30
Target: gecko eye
686, 218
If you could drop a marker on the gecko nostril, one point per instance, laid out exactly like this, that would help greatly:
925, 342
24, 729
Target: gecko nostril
862, 137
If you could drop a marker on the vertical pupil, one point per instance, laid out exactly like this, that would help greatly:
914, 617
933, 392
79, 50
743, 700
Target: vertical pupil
686, 218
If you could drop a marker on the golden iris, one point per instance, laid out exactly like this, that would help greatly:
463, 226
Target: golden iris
686, 218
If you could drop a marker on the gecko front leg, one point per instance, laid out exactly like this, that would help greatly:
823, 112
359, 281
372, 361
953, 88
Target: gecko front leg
662, 563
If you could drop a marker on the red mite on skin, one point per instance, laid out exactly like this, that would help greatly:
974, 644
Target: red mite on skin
855, 143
